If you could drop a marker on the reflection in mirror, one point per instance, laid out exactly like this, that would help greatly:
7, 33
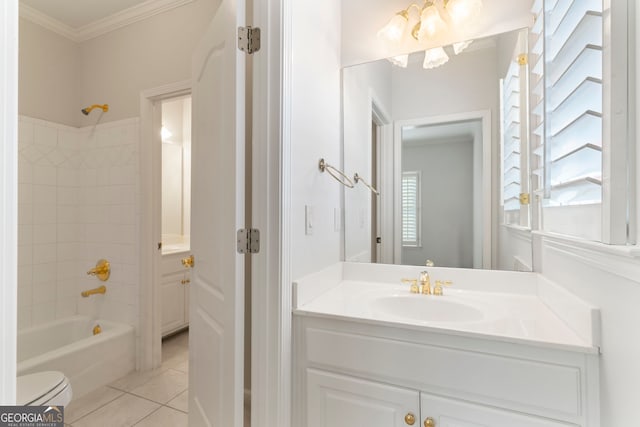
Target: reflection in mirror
430, 141
441, 193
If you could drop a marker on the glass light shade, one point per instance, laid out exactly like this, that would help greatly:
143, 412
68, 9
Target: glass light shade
400, 60
431, 23
463, 11
394, 30
434, 58
460, 46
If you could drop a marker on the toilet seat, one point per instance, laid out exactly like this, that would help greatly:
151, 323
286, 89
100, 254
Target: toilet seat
43, 388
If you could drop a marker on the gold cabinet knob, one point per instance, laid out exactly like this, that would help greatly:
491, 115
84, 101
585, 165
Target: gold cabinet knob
429, 422
185, 281
188, 262
410, 419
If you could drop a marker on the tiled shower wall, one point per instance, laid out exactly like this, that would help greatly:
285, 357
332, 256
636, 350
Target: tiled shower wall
77, 203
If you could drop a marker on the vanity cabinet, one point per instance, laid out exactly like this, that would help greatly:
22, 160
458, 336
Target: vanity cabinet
335, 400
174, 292
354, 373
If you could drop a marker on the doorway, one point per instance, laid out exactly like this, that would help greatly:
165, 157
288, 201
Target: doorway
175, 190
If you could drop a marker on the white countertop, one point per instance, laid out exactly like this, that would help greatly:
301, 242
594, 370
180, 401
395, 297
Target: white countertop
507, 311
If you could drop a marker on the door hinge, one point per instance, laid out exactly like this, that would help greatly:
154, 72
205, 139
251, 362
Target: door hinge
249, 39
524, 199
248, 241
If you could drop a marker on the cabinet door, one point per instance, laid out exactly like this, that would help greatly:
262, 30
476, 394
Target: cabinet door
172, 294
455, 413
339, 401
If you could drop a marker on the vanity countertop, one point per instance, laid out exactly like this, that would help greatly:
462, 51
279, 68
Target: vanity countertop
512, 307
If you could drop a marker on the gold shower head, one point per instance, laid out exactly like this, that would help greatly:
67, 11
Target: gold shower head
87, 110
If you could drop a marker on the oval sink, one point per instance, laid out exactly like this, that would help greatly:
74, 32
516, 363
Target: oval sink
426, 309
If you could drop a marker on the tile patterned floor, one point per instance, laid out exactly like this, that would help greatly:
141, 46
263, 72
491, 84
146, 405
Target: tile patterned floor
157, 398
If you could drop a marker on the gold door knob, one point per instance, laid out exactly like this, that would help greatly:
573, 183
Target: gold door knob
429, 422
188, 262
185, 281
410, 419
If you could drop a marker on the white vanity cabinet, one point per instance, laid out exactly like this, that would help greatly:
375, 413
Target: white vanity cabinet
174, 292
354, 373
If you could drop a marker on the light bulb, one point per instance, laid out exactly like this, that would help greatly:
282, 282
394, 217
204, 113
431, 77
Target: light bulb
165, 134
394, 30
431, 23
434, 58
400, 60
463, 11
460, 46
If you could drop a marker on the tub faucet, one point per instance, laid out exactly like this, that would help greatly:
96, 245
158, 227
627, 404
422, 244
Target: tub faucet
102, 270
99, 290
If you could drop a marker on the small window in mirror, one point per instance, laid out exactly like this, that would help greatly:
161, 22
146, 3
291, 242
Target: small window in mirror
411, 208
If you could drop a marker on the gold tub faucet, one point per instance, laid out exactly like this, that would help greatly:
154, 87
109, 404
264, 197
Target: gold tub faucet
102, 270
99, 290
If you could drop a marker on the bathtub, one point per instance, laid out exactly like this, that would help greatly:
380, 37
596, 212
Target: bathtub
68, 345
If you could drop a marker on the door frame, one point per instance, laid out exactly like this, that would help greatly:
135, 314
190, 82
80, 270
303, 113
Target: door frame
149, 355
8, 198
485, 189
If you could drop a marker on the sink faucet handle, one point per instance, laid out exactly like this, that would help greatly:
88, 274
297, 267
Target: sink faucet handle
414, 285
437, 289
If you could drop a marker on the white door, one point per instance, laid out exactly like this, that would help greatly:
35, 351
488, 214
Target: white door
217, 285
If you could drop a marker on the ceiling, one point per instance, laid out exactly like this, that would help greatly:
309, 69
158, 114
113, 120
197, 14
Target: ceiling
76, 14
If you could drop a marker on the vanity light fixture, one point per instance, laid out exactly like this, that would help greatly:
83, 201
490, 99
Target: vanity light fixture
460, 46
430, 25
430, 20
462, 11
400, 60
434, 58
394, 30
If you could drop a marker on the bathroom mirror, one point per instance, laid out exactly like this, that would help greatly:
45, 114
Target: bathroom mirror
431, 141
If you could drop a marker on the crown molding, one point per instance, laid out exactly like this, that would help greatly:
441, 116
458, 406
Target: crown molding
45, 21
102, 26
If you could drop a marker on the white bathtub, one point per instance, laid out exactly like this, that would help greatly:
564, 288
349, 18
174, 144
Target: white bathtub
68, 345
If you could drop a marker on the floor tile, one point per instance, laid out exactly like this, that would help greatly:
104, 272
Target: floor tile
165, 417
180, 402
78, 408
164, 387
135, 379
178, 362
125, 411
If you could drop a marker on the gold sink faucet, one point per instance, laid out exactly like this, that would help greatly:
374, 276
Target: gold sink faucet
425, 283
99, 290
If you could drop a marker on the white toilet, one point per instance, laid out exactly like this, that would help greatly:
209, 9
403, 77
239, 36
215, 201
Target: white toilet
48, 388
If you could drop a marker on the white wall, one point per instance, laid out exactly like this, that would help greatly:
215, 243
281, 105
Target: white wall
59, 77
315, 133
77, 204
49, 69
361, 85
446, 189
611, 283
